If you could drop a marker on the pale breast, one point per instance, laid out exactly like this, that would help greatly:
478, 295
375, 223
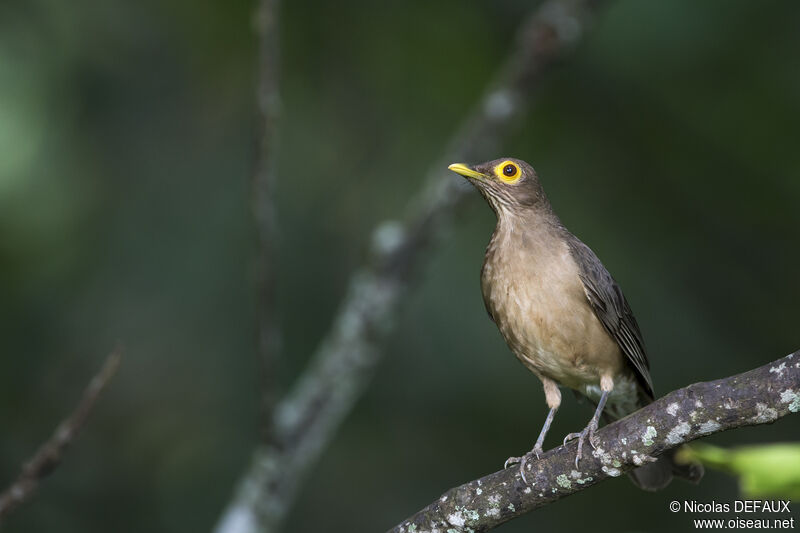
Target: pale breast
531, 288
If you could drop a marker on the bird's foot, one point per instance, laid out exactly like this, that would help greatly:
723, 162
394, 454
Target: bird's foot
588, 431
523, 460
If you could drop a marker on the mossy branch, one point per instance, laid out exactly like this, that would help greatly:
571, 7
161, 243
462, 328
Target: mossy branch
759, 396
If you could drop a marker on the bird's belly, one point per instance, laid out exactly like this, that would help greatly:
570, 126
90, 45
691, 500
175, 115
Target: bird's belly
559, 351
554, 332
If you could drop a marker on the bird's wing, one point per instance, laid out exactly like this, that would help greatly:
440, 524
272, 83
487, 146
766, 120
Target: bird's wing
613, 311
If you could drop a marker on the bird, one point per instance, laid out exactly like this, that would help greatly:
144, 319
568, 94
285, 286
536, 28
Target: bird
561, 313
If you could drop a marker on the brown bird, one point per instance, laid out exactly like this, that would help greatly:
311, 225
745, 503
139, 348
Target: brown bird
561, 312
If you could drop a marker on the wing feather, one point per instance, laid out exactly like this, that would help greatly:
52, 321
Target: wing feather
612, 309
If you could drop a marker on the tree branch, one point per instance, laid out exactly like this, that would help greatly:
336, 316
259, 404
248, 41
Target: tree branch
306, 418
50, 454
268, 102
759, 396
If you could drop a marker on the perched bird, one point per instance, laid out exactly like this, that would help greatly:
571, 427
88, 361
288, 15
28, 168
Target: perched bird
561, 312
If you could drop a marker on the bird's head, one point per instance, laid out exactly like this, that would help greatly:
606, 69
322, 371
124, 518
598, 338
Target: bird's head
508, 184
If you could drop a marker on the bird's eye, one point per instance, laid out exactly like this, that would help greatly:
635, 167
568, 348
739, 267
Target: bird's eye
508, 171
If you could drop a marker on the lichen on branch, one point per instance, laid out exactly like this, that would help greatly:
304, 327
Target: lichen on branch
759, 396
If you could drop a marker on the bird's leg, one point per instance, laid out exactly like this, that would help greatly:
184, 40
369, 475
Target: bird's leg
537, 448
606, 384
553, 396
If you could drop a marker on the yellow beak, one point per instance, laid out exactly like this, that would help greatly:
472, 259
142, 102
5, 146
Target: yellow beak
464, 170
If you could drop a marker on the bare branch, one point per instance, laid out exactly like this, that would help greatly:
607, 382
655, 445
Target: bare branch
759, 396
306, 418
50, 454
268, 101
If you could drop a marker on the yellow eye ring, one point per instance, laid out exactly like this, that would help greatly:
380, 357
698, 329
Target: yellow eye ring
508, 172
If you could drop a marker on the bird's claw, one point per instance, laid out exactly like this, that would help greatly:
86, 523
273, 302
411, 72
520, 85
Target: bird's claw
523, 460
588, 431
571, 436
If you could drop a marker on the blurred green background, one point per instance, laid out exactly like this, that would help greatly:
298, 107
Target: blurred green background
668, 141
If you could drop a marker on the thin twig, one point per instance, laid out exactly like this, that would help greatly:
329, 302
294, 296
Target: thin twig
50, 454
306, 418
759, 396
263, 206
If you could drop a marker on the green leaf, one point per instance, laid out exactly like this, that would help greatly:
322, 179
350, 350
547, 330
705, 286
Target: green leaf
766, 471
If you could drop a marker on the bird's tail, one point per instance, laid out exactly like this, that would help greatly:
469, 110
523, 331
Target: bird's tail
656, 476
